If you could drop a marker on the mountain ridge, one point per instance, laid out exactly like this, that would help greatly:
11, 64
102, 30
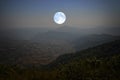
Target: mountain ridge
108, 49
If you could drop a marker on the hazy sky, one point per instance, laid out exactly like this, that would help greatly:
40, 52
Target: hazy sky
39, 13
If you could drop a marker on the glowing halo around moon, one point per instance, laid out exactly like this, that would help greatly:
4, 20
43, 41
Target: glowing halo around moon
59, 17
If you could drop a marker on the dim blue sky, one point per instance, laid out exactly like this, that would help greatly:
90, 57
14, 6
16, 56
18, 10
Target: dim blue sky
39, 13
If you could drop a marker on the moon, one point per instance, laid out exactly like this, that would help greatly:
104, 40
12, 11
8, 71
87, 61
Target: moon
59, 17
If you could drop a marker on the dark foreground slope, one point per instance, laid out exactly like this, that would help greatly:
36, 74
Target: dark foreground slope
104, 50
98, 63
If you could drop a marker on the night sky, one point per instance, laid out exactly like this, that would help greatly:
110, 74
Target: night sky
39, 13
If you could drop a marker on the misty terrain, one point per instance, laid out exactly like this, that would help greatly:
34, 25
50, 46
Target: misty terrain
64, 53
97, 63
43, 45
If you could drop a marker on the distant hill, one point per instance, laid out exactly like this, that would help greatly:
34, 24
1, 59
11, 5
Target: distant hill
80, 38
45, 51
103, 50
92, 40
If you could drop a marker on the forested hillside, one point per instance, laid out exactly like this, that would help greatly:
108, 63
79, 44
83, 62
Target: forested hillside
104, 50
97, 63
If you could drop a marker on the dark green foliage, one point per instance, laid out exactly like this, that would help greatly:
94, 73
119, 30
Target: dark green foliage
92, 69
83, 69
98, 63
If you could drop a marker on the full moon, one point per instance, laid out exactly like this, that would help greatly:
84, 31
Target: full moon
59, 18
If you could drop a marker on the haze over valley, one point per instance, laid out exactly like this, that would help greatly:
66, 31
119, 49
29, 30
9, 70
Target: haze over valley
43, 45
